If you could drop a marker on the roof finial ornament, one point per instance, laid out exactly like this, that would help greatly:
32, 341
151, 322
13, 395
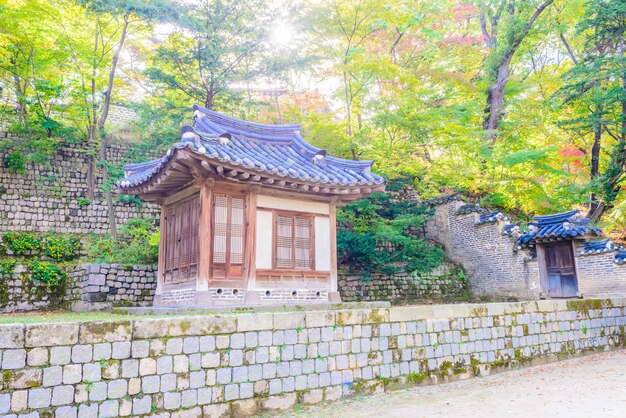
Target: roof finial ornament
319, 158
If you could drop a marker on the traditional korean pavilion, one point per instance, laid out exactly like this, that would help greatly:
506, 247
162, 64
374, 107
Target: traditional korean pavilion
248, 213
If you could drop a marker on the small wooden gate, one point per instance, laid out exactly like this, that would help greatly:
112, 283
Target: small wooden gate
561, 271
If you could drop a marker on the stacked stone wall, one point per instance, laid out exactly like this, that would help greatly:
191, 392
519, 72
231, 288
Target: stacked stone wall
239, 365
599, 275
445, 282
88, 287
488, 256
53, 197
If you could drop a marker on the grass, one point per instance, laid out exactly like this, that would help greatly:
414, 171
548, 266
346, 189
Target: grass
69, 316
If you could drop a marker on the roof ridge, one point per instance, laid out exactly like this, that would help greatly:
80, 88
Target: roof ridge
225, 120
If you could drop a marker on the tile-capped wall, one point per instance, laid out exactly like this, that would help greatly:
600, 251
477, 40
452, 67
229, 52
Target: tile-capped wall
240, 364
494, 266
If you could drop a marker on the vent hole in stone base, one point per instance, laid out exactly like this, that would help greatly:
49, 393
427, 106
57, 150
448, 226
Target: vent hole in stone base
219, 291
268, 293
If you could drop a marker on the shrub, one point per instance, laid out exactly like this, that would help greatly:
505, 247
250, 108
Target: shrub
83, 201
6, 271
136, 244
15, 162
61, 247
49, 274
21, 243
379, 234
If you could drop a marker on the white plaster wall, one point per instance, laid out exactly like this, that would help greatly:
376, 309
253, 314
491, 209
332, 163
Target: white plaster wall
264, 229
322, 243
271, 202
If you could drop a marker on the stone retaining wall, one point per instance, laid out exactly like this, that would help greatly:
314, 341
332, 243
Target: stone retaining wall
446, 281
102, 286
238, 365
89, 287
53, 198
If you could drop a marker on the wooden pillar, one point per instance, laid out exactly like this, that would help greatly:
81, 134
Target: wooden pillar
162, 252
334, 293
204, 237
250, 247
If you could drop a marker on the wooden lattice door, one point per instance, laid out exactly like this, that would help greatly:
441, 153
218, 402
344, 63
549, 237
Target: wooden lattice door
228, 236
562, 280
181, 241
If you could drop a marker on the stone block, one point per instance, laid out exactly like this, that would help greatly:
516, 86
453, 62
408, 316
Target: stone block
254, 322
121, 350
39, 398
313, 397
14, 359
19, 400
5, 403
60, 355
53, 376
51, 334
279, 403
184, 326
92, 372
189, 398
231, 392
97, 391
289, 320
11, 336
105, 332
142, 405
109, 408
150, 384
171, 400
147, 366
88, 411
140, 349
204, 396
62, 395
117, 388
82, 353
67, 412
191, 345
319, 319
219, 410
37, 356
102, 351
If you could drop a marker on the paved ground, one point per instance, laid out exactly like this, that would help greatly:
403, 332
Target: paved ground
592, 386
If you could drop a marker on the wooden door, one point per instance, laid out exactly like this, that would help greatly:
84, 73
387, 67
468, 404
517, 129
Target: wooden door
562, 281
181, 241
228, 236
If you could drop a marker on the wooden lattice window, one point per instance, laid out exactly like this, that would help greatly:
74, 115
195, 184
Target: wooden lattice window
228, 236
181, 241
294, 241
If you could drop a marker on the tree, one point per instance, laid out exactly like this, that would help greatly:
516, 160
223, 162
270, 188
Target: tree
217, 43
596, 86
504, 25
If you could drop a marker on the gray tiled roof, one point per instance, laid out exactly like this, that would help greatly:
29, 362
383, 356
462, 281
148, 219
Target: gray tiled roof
598, 247
565, 225
276, 151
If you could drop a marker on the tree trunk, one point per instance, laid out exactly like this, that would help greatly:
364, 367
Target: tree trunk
495, 99
348, 103
104, 142
209, 100
595, 164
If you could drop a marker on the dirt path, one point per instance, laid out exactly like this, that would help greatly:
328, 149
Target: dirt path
592, 386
